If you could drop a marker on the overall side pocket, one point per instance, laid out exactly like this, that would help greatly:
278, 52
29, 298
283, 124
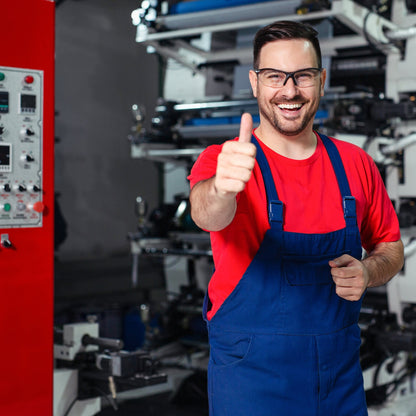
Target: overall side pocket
229, 348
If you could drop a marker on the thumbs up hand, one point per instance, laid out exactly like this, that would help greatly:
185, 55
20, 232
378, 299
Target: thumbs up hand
236, 162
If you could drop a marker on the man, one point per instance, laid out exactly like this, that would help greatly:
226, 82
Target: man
289, 211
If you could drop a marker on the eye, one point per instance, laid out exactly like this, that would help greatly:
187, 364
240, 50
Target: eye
274, 75
305, 75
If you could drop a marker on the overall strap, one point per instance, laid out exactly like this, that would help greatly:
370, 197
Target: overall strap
348, 201
274, 205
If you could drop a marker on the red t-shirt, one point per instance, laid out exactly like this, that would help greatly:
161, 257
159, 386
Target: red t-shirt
312, 202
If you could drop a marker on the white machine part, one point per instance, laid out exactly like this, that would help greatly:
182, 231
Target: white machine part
72, 340
401, 393
65, 391
401, 185
65, 381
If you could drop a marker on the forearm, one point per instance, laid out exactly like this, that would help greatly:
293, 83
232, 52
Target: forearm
211, 210
384, 262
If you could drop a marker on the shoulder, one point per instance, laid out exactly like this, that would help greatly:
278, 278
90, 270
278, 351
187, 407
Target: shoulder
352, 153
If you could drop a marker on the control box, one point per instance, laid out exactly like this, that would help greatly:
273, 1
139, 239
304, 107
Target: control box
27, 112
21, 106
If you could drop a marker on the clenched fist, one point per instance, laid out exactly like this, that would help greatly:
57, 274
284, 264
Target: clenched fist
350, 277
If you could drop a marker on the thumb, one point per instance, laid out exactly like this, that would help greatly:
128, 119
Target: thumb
341, 261
246, 128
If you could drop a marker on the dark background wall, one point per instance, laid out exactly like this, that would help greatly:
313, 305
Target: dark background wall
100, 72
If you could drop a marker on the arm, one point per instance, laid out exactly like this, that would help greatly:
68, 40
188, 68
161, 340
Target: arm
213, 201
352, 277
209, 209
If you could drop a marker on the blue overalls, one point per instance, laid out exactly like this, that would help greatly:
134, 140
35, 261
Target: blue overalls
284, 343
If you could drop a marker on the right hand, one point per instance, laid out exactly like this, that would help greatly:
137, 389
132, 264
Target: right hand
236, 161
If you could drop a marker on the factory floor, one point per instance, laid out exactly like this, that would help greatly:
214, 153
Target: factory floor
157, 405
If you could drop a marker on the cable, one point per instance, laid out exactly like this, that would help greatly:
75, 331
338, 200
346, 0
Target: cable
70, 407
376, 10
112, 402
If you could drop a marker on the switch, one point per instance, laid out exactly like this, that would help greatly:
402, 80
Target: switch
2, 129
30, 132
22, 188
6, 187
5, 242
35, 188
29, 158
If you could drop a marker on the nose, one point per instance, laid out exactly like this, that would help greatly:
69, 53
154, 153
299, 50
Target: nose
290, 88
289, 76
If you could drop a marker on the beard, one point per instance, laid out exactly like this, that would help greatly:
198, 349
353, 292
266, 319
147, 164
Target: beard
284, 126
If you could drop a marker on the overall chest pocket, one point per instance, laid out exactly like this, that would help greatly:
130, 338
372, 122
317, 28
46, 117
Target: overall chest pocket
307, 270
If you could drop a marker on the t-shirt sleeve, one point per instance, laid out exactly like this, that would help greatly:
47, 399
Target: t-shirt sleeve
380, 222
205, 166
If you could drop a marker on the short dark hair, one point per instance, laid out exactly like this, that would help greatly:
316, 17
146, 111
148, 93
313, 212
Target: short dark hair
285, 29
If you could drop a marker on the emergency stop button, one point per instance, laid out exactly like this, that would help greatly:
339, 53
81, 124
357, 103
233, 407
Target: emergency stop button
38, 207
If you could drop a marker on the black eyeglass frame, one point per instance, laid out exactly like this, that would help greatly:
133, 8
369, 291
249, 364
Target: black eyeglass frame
287, 74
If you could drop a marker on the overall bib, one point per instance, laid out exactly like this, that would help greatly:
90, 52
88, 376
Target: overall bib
284, 343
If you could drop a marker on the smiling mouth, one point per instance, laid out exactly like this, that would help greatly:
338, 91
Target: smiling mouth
290, 106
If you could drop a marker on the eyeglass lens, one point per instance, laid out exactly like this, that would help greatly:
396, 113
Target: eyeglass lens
276, 78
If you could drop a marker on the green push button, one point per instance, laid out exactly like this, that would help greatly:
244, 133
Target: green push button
7, 207
2, 76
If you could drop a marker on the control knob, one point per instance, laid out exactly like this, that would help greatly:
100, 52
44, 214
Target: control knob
35, 188
6, 243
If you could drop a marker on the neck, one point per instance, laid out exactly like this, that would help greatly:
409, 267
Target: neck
301, 146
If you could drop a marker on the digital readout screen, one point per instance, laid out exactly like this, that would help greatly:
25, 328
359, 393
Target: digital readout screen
4, 155
28, 102
4, 102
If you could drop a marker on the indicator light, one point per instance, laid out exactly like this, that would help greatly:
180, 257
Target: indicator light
7, 207
29, 79
2, 76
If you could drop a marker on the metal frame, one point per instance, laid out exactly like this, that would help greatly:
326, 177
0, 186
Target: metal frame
367, 24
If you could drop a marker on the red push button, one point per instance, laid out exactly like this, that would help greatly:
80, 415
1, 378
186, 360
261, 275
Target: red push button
39, 206
29, 79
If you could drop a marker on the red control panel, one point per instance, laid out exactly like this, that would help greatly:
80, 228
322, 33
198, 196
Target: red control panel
27, 207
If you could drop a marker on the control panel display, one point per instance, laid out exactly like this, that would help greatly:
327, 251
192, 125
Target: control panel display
21, 98
27, 103
4, 102
5, 157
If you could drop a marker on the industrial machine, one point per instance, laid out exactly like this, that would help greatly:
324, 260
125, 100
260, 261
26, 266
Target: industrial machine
369, 51
27, 206
90, 368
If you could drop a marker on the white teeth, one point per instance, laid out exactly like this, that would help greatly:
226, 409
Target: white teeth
290, 106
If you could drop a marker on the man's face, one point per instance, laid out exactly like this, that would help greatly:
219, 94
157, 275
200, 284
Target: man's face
289, 109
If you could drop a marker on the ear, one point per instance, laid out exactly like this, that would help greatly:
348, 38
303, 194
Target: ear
323, 78
253, 81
